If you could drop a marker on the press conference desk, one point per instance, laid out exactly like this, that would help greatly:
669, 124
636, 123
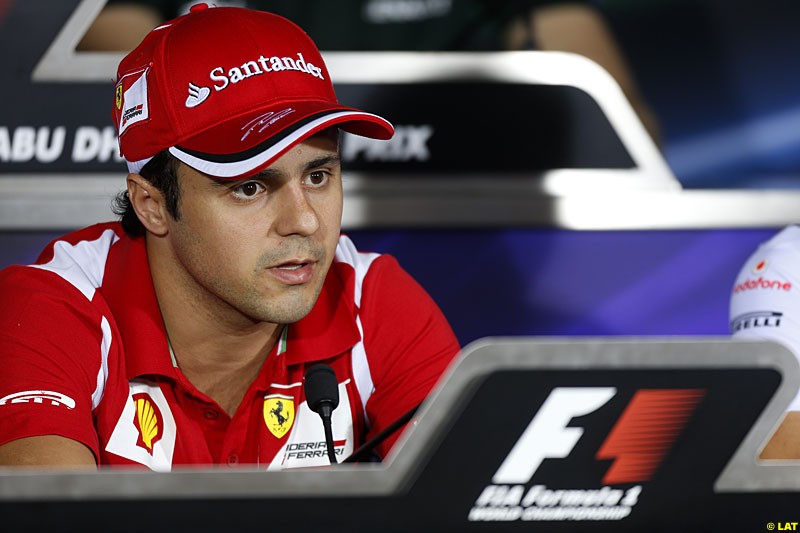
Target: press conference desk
520, 430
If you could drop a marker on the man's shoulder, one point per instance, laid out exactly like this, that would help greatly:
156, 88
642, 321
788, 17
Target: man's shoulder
365, 266
349, 254
103, 234
778, 254
786, 239
73, 261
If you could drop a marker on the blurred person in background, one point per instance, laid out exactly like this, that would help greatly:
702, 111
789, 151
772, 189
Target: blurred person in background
410, 25
765, 304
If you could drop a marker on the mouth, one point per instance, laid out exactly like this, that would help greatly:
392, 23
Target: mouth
293, 272
292, 266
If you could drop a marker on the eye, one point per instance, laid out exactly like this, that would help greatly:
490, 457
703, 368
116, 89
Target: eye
317, 178
248, 190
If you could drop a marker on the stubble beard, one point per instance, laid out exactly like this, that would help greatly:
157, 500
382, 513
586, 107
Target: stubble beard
291, 302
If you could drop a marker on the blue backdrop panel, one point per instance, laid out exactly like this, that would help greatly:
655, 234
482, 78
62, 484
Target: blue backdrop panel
553, 281
559, 282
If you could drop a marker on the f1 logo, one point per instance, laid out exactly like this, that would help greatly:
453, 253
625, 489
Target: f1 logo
547, 435
638, 441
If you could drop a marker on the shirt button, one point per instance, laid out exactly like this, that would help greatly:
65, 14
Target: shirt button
233, 459
210, 414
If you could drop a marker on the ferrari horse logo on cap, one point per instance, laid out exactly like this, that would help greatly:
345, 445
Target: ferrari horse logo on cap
132, 99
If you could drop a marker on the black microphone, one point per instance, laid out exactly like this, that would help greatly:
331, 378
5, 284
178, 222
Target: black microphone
322, 395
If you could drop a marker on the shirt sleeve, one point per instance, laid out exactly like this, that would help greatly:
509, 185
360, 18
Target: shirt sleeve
765, 301
50, 343
408, 341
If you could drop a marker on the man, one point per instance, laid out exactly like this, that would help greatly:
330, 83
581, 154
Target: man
765, 304
181, 335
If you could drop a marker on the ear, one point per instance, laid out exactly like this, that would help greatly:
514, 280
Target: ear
148, 202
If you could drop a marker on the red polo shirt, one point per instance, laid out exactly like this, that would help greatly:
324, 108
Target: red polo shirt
85, 355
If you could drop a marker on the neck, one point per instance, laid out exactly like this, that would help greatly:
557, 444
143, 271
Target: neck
223, 370
219, 350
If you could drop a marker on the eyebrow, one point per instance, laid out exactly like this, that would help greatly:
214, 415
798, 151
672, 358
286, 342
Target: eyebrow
323, 161
268, 173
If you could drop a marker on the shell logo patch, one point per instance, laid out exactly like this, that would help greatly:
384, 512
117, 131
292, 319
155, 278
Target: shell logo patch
278, 414
148, 422
145, 431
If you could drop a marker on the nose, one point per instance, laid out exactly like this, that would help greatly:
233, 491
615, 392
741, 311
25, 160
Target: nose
296, 215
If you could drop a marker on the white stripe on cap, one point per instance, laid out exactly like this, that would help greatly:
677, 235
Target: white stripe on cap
135, 166
237, 168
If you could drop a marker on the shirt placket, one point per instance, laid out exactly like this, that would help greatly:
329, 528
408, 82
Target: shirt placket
248, 439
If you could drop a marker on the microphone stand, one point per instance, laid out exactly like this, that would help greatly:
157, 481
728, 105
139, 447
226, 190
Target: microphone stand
370, 445
325, 414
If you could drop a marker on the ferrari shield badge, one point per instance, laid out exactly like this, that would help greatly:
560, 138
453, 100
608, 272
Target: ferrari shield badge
278, 414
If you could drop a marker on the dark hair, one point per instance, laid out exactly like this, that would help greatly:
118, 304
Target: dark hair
162, 172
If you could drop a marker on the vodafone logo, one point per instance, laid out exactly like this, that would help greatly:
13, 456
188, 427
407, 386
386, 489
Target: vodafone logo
760, 267
637, 444
762, 283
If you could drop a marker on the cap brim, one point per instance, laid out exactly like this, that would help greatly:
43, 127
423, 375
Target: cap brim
264, 138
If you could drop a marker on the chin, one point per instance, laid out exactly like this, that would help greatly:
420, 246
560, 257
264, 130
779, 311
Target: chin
282, 306
290, 318
287, 312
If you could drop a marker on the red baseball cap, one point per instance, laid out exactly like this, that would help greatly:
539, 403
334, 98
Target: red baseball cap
227, 91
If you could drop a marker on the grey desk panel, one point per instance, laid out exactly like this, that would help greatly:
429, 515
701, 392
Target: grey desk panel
486, 357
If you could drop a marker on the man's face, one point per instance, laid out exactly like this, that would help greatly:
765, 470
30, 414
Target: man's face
259, 248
